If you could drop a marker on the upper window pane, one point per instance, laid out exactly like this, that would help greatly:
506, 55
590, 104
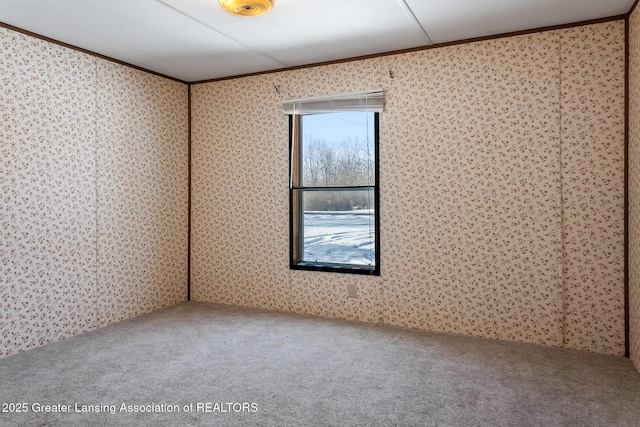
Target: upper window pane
338, 149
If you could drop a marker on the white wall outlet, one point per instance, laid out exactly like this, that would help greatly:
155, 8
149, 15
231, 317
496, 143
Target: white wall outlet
351, 290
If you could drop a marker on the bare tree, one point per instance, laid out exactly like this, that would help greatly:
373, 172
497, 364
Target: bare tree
347, 164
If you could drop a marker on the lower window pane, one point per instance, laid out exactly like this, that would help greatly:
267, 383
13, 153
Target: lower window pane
339, 226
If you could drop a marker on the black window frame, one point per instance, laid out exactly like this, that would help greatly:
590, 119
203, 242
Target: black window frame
296, 236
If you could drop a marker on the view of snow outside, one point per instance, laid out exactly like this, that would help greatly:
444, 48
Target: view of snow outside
338, 151
340, 237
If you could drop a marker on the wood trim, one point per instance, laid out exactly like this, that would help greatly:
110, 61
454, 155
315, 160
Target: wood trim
189, 194
338, 61
88, 52
295, 182
626, 187
296, 209
633, 7
421, 48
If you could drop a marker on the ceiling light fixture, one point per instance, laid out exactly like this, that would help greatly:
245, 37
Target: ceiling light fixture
247, 7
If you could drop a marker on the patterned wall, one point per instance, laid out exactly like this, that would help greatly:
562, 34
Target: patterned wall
634, 187
501, 191
493, 223
142, 134
482, 189
240, 206
593, 186
47, 237
92, 178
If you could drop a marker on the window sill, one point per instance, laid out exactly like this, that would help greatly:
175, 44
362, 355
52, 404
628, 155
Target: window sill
336, 268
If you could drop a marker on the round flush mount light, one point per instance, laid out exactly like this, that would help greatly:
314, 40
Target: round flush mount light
247, 7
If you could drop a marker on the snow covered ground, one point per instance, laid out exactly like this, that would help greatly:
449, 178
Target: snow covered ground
342, 237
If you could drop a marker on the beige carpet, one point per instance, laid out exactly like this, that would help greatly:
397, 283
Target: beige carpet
203, 365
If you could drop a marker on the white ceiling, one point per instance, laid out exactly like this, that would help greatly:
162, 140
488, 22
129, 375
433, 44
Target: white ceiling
194, 40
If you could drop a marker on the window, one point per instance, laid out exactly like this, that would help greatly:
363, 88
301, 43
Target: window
334, 224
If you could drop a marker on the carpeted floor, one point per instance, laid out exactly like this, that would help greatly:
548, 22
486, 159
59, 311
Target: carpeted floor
228, 366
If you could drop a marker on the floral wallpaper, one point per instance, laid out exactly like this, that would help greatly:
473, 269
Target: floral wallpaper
240, 227
634, 187
501, 190
47, 234
93, 200
472, 235
142, 162
233, 224
592, 171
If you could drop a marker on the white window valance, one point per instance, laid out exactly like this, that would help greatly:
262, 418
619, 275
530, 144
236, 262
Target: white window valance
368, 100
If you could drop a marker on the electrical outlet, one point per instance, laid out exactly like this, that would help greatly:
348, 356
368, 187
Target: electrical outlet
351, 290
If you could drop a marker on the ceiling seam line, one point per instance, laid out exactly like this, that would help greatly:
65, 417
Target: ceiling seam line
258, 51
407, 9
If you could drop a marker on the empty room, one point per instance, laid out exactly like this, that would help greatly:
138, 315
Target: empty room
331, 213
